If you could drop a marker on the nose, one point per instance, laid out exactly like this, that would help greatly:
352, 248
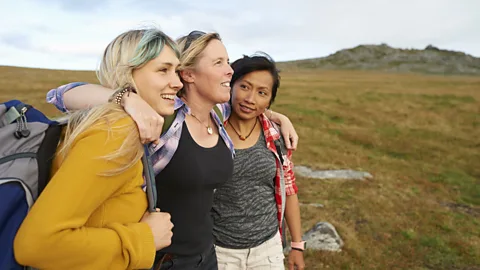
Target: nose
229, 71
250, 97
176, 83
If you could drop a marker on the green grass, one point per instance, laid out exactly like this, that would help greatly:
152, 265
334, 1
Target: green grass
465, 184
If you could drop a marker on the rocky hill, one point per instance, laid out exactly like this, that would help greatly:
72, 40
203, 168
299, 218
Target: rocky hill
383, 57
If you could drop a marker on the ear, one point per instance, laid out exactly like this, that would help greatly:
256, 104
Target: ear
187, 76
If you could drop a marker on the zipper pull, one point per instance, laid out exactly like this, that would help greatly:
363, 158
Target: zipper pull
22, 128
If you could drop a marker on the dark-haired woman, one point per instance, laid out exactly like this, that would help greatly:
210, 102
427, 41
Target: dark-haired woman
249, 210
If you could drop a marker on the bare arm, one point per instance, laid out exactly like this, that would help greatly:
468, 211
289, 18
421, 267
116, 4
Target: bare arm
148, 121
292, 215
86, 96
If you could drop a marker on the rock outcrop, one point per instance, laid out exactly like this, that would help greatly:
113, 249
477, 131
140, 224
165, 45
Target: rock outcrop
383, 57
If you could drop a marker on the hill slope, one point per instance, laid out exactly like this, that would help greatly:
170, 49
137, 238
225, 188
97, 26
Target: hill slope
383, 57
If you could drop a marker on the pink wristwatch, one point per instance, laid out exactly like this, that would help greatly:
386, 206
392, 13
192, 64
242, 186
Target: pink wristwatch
300, 246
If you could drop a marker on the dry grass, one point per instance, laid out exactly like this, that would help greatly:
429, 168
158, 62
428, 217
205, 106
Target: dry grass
418, 135
31, 85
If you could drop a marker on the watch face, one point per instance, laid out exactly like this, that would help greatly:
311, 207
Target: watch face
304, 245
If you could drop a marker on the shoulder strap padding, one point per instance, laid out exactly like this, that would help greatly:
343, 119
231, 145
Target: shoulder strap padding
46, 153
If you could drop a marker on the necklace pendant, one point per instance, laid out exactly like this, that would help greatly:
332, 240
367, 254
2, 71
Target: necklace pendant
209, 130
242, 138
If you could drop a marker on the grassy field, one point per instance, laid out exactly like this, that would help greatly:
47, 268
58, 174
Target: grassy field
418, 135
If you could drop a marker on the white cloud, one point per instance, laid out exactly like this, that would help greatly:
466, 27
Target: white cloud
72, 34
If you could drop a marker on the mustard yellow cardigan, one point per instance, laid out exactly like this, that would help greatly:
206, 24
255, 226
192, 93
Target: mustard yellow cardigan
86, 221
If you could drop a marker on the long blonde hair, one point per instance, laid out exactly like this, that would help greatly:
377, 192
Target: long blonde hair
127, 52
191, 46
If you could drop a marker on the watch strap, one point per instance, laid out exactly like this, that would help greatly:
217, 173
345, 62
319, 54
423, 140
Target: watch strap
298, 245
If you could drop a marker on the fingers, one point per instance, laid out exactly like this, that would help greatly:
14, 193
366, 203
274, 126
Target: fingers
148, 121
286, 138
142, 130
155, 124
149, 127
161, 226
294, 141
162, 215
152, 130
165, 215
291, 140
166, 218
157, 130
296, 263
147, 213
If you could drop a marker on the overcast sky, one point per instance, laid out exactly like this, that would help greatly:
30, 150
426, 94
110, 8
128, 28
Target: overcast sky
71, 34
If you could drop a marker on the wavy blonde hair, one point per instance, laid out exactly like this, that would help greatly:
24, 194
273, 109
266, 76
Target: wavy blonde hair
127, 52
190, 48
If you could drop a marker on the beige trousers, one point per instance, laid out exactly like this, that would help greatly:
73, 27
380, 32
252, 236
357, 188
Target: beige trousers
268, 255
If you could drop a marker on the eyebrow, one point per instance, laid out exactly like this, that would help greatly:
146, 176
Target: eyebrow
220, 58
169, 64
247, 82
251, 84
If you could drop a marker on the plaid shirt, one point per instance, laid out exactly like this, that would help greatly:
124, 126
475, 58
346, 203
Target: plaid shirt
162, 153
284, 171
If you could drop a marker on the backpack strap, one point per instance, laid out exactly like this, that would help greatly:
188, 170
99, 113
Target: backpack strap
278, 145
149, 180
46, 154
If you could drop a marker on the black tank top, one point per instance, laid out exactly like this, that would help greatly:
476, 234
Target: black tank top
185, 190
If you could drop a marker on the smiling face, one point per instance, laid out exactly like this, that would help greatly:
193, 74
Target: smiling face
157, 81
252, 94
146, 60
211, 73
